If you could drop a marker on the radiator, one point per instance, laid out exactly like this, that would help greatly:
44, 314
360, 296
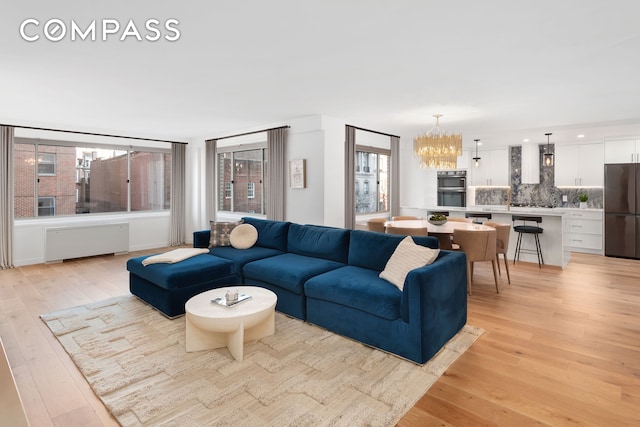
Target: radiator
87, 240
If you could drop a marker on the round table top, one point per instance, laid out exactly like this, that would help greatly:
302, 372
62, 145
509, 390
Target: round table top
446, 228
202, 305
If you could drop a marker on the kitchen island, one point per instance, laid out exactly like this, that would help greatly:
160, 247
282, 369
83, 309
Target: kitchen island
554, 250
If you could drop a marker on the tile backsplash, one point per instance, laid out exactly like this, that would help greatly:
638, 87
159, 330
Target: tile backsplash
543, 194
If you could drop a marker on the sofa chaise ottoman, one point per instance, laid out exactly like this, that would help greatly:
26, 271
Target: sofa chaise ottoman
167, 287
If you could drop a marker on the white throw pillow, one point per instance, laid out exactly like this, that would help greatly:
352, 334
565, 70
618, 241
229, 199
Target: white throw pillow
405, 258
243, 236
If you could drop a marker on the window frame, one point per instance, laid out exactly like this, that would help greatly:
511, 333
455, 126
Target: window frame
233, 149
362, 156
46, 163
51, 206
37, 143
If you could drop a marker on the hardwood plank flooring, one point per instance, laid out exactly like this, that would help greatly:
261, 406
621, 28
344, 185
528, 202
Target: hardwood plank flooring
561, 347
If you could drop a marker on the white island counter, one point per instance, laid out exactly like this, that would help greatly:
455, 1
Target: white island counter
554, 251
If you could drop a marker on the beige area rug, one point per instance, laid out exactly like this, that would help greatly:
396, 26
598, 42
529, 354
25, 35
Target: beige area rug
135, 360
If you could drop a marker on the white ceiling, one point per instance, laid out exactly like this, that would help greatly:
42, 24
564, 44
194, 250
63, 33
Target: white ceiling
499, 71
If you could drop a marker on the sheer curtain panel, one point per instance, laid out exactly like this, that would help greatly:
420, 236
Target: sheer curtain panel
178, 175
210, 179
350, 177
395, 176
276, 167
6, 195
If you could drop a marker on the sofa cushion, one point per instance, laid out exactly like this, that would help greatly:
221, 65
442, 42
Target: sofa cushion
319, 242
373, 250
405, 258
220, 232
358, 288
242, 256
191, 271
288, 271
243, 236
271, 234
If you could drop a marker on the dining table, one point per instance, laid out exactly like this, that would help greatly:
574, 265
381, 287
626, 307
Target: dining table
442, 232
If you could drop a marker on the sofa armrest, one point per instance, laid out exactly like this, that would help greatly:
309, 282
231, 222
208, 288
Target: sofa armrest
201, 238
434, 297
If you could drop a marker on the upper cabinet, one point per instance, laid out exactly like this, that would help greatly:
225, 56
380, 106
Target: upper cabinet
579, 165
492, 170
622, 151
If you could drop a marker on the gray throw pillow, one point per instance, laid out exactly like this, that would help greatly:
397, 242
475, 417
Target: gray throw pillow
220, 232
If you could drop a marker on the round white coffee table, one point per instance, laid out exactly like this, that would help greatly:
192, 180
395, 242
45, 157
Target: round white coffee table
210, 325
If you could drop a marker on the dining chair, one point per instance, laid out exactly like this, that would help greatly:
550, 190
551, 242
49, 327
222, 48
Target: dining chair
478, 216
502, 244
376, 224
477, 245
407, 231
403, 217
458, 219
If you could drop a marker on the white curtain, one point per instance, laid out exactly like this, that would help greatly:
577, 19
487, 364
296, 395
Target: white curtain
6, 197
350, 177
210, 179
395, 176
178, 175
276, 168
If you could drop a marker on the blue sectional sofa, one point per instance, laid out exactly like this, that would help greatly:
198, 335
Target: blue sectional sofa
328, 277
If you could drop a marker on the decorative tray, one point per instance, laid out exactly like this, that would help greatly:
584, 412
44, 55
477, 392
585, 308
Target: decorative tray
223, 300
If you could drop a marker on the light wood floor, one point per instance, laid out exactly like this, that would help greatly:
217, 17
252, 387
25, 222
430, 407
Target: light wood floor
562, 347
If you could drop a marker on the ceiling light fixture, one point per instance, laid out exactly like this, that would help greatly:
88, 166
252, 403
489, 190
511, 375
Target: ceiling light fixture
548, 155
438, 148
476, 158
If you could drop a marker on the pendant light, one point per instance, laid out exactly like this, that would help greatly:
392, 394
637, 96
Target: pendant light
476, 158
548, 155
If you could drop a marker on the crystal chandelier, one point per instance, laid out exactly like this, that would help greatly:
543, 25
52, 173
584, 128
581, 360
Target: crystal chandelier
438, 148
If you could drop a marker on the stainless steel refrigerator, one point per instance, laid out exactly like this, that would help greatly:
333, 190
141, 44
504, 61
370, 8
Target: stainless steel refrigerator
622, 210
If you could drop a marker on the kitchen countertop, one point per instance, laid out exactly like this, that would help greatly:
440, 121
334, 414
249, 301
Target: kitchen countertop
514, 209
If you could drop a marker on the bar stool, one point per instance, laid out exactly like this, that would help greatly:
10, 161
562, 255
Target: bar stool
525, 228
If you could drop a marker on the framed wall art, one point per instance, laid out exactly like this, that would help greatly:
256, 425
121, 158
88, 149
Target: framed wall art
297, 178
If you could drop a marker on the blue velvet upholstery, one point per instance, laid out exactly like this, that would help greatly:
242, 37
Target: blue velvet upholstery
359, 288
199, 268
242, 256
373, 250
288, 271
319, 242
271, 234
327, 276
168, 287
433, 310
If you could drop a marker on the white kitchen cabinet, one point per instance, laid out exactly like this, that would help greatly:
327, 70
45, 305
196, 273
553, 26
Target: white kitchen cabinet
579, 165
622, 150
493, 169
582, 231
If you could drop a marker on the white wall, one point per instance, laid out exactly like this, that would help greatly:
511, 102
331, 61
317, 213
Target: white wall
334, 137
418, 186
306, 140
146, 231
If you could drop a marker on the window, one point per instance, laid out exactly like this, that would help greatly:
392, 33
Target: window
46, 206
241, 177
372, 176
46, 164
71, 178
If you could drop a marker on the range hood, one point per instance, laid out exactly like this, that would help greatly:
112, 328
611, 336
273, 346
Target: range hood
530, 167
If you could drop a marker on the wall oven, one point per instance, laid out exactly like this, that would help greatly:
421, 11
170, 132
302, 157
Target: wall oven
452, 188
